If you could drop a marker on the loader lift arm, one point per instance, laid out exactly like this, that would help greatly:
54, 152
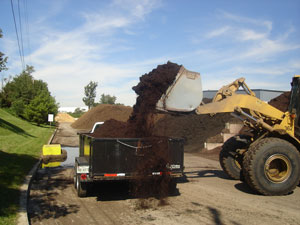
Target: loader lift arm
251, 110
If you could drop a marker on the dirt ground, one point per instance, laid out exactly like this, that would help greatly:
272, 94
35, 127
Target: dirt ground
206, 196
66, 135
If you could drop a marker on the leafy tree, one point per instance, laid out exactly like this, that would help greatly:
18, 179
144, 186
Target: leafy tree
107, 99
77, 113
18, 107
3, 60
38, 109
21, 88
90, 94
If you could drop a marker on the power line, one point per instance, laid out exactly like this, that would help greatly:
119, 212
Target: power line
21, 32
16, 29
27, 29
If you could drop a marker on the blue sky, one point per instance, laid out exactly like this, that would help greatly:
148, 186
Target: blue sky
72, 42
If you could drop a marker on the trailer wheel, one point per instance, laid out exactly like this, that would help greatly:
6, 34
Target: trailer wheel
81, 187
231, 157
75, 175
75, 181
172, 187
272, 167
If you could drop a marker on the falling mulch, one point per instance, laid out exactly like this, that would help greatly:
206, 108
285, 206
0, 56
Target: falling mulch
102, 113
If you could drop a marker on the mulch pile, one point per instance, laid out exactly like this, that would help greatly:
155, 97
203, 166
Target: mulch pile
102, 113
195, 129
282, 101
64, 117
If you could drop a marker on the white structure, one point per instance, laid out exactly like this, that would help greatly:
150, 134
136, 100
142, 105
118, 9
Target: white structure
71, 109
262, 94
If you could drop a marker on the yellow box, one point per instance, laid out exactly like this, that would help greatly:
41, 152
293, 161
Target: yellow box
51, 164
52, 149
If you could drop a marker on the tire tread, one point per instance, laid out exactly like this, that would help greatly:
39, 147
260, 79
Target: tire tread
248, 170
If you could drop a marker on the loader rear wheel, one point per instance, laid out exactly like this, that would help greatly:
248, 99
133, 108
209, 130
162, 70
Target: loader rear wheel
231, 155
272, 167
81, 187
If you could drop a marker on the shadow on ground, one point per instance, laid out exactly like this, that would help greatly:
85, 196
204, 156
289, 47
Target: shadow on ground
46, 191
243, 187
14, 128
206, 173
122, 190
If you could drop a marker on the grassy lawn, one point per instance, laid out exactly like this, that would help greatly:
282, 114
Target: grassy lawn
20, 147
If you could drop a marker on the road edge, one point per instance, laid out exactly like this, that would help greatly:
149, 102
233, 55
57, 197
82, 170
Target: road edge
22, 217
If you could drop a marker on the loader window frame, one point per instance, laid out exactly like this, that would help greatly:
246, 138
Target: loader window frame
294, 106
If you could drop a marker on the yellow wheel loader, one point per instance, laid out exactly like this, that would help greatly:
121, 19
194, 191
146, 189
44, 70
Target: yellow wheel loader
269, 159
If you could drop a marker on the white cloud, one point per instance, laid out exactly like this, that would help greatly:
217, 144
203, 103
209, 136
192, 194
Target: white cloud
267, 48
245, 38
137, 8
246, 20
217, 32
247, 34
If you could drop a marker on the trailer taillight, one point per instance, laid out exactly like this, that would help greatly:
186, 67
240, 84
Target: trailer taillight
83, 176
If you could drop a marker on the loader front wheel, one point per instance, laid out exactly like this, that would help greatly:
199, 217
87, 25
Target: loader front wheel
231, 155
272, 166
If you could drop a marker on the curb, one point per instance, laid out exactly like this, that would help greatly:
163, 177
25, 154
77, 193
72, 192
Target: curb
25, 191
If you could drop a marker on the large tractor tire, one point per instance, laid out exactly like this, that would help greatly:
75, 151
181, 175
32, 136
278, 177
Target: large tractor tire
272, 166
231, 158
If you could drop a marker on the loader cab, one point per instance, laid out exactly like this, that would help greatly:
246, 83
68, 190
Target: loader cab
294, 106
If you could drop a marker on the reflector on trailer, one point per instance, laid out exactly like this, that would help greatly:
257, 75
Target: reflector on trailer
83, 176
114, 175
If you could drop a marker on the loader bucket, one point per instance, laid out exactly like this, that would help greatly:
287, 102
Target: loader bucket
184, 95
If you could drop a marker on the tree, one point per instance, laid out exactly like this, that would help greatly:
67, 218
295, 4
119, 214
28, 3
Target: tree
38, 109
107, 99
22, 88
3, 61
90, 94
77, 113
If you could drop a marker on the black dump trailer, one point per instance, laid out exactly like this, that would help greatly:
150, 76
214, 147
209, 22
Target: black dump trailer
111, 159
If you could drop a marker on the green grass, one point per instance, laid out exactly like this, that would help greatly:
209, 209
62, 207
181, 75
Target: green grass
20, 147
